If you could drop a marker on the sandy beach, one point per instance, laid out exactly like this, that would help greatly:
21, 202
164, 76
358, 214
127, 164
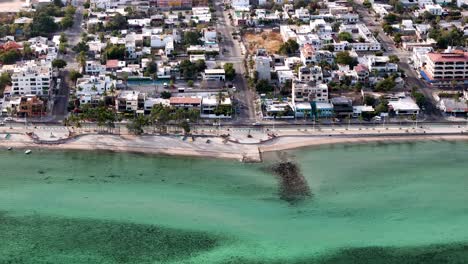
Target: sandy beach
246, 150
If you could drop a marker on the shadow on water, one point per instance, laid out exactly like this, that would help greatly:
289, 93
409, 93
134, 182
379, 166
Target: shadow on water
456, 253
43, 239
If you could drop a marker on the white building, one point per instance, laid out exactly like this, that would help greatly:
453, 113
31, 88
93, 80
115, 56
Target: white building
94, 85
403, 106
435, 10
32, 78
305, 92
214, 75
94, 68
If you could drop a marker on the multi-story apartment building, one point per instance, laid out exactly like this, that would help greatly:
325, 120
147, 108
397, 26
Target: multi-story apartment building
32, 78
447, 68
309, 92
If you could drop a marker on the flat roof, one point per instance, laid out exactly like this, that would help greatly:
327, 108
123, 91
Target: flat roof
184, 100
215, 71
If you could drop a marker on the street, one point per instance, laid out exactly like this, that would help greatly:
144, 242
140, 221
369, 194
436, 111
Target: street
233, 54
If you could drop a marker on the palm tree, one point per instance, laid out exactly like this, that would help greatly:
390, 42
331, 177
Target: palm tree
81, 58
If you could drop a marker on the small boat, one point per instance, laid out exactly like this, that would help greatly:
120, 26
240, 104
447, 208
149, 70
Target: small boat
28, 151
10, 148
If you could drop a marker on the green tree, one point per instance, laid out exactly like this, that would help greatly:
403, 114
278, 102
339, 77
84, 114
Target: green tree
81, 58
264, 86
5, 79
59, 63
345, 36
344, 58
9, 57
66, 22
166, 95
137, 124
289, 47
385, 85
115, 52
117, 22
192, 38
75, 75
229, 71
393, 59
43, 25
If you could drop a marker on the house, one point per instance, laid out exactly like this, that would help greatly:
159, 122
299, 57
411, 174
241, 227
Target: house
94, 85
214, 107
130, 101
31, 106
403, 106
360, 110
94, 68
185, 102
322, 109
303, 109
435, 10
150, 102
453, 106
342, 106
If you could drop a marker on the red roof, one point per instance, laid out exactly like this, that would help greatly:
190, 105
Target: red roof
184, 100
112, 64
308, 49
360, 68
11, 45
455, 56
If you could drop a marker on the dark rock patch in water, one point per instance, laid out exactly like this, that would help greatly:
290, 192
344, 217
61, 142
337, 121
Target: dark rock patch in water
293, 185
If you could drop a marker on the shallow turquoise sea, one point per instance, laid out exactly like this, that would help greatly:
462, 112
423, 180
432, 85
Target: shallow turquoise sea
375, 203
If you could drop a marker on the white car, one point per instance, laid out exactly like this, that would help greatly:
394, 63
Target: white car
8, 119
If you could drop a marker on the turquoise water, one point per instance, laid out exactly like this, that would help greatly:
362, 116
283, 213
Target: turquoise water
399, 203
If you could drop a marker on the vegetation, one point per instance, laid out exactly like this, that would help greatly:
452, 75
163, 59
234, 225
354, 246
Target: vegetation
165, 95
229, 71
189, 70
59, 63
344, 58
117, 22
345, 36
75, 75
289, 47
192, 38
264, 86
385, 85
445, 38
115, 52
5, 79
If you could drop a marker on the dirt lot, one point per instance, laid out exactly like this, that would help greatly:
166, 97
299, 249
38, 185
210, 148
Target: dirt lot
269, 40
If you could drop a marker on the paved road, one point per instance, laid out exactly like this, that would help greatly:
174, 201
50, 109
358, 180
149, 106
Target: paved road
233, 54
60, 96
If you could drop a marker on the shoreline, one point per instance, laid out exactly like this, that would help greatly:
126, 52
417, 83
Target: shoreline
217, 148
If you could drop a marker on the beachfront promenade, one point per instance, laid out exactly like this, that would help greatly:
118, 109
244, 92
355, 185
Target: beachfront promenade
241, 143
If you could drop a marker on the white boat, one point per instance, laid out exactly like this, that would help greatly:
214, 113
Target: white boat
10, 148
28, 151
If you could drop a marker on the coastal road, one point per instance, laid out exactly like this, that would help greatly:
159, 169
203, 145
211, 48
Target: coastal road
233, 54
